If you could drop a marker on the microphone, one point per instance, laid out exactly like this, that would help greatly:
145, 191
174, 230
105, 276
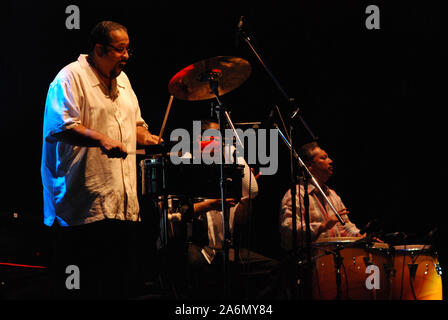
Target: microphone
431, 233
295, 112
395, 236
239, 31
269, 121
368, 227
271, 115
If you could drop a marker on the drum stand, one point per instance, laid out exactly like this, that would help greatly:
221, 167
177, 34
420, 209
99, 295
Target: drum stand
163, 276
337, 265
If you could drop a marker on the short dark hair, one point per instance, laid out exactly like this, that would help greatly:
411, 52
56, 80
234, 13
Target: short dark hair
101, 33
306, 151
206, 123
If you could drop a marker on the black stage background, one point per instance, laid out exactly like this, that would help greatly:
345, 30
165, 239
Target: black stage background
374, 97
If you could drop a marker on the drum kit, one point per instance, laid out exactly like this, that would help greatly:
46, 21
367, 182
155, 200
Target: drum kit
341, 268
206, 79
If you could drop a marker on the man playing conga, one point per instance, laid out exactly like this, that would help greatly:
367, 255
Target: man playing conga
323, 221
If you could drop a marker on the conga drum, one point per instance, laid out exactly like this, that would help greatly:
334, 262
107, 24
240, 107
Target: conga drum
417, 273
347, 278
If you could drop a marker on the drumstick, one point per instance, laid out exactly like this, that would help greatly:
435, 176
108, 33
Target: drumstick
166, 117
138, 151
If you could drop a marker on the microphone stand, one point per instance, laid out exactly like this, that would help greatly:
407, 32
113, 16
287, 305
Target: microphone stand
290, 101
224, 208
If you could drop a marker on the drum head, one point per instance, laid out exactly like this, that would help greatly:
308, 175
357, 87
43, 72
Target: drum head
412, 247
335, 240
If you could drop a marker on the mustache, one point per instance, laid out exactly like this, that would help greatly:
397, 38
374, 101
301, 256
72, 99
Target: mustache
123, 60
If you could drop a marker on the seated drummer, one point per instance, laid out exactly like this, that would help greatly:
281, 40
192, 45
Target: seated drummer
210, 209
323, 221
203, 258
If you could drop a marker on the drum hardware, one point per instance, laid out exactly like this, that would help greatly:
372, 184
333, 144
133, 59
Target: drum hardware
389, 270
367, 261
413, 270
438, 269
337, 258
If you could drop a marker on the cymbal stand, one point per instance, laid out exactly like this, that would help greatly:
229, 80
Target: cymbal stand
165, 222
213, 78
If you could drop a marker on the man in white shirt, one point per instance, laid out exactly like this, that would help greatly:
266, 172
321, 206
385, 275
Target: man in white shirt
92, 125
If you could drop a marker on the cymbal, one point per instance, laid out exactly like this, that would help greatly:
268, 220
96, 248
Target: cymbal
193, 83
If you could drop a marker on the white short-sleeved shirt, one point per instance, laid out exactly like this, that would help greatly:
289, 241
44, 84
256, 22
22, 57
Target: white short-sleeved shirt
81, 184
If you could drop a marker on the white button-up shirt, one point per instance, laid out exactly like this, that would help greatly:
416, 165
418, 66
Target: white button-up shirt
81, 184
214, 217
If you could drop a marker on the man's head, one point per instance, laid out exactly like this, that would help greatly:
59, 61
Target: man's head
109, 42
209, 130
209, 124
317, 160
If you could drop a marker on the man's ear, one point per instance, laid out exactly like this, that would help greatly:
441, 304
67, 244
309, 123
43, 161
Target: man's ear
100, 50
309, 164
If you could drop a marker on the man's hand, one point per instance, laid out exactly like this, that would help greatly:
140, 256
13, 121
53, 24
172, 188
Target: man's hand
212, 204
145, 138
152, 139
113, 148
257, 175
331, 222
242, 212
333, 219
